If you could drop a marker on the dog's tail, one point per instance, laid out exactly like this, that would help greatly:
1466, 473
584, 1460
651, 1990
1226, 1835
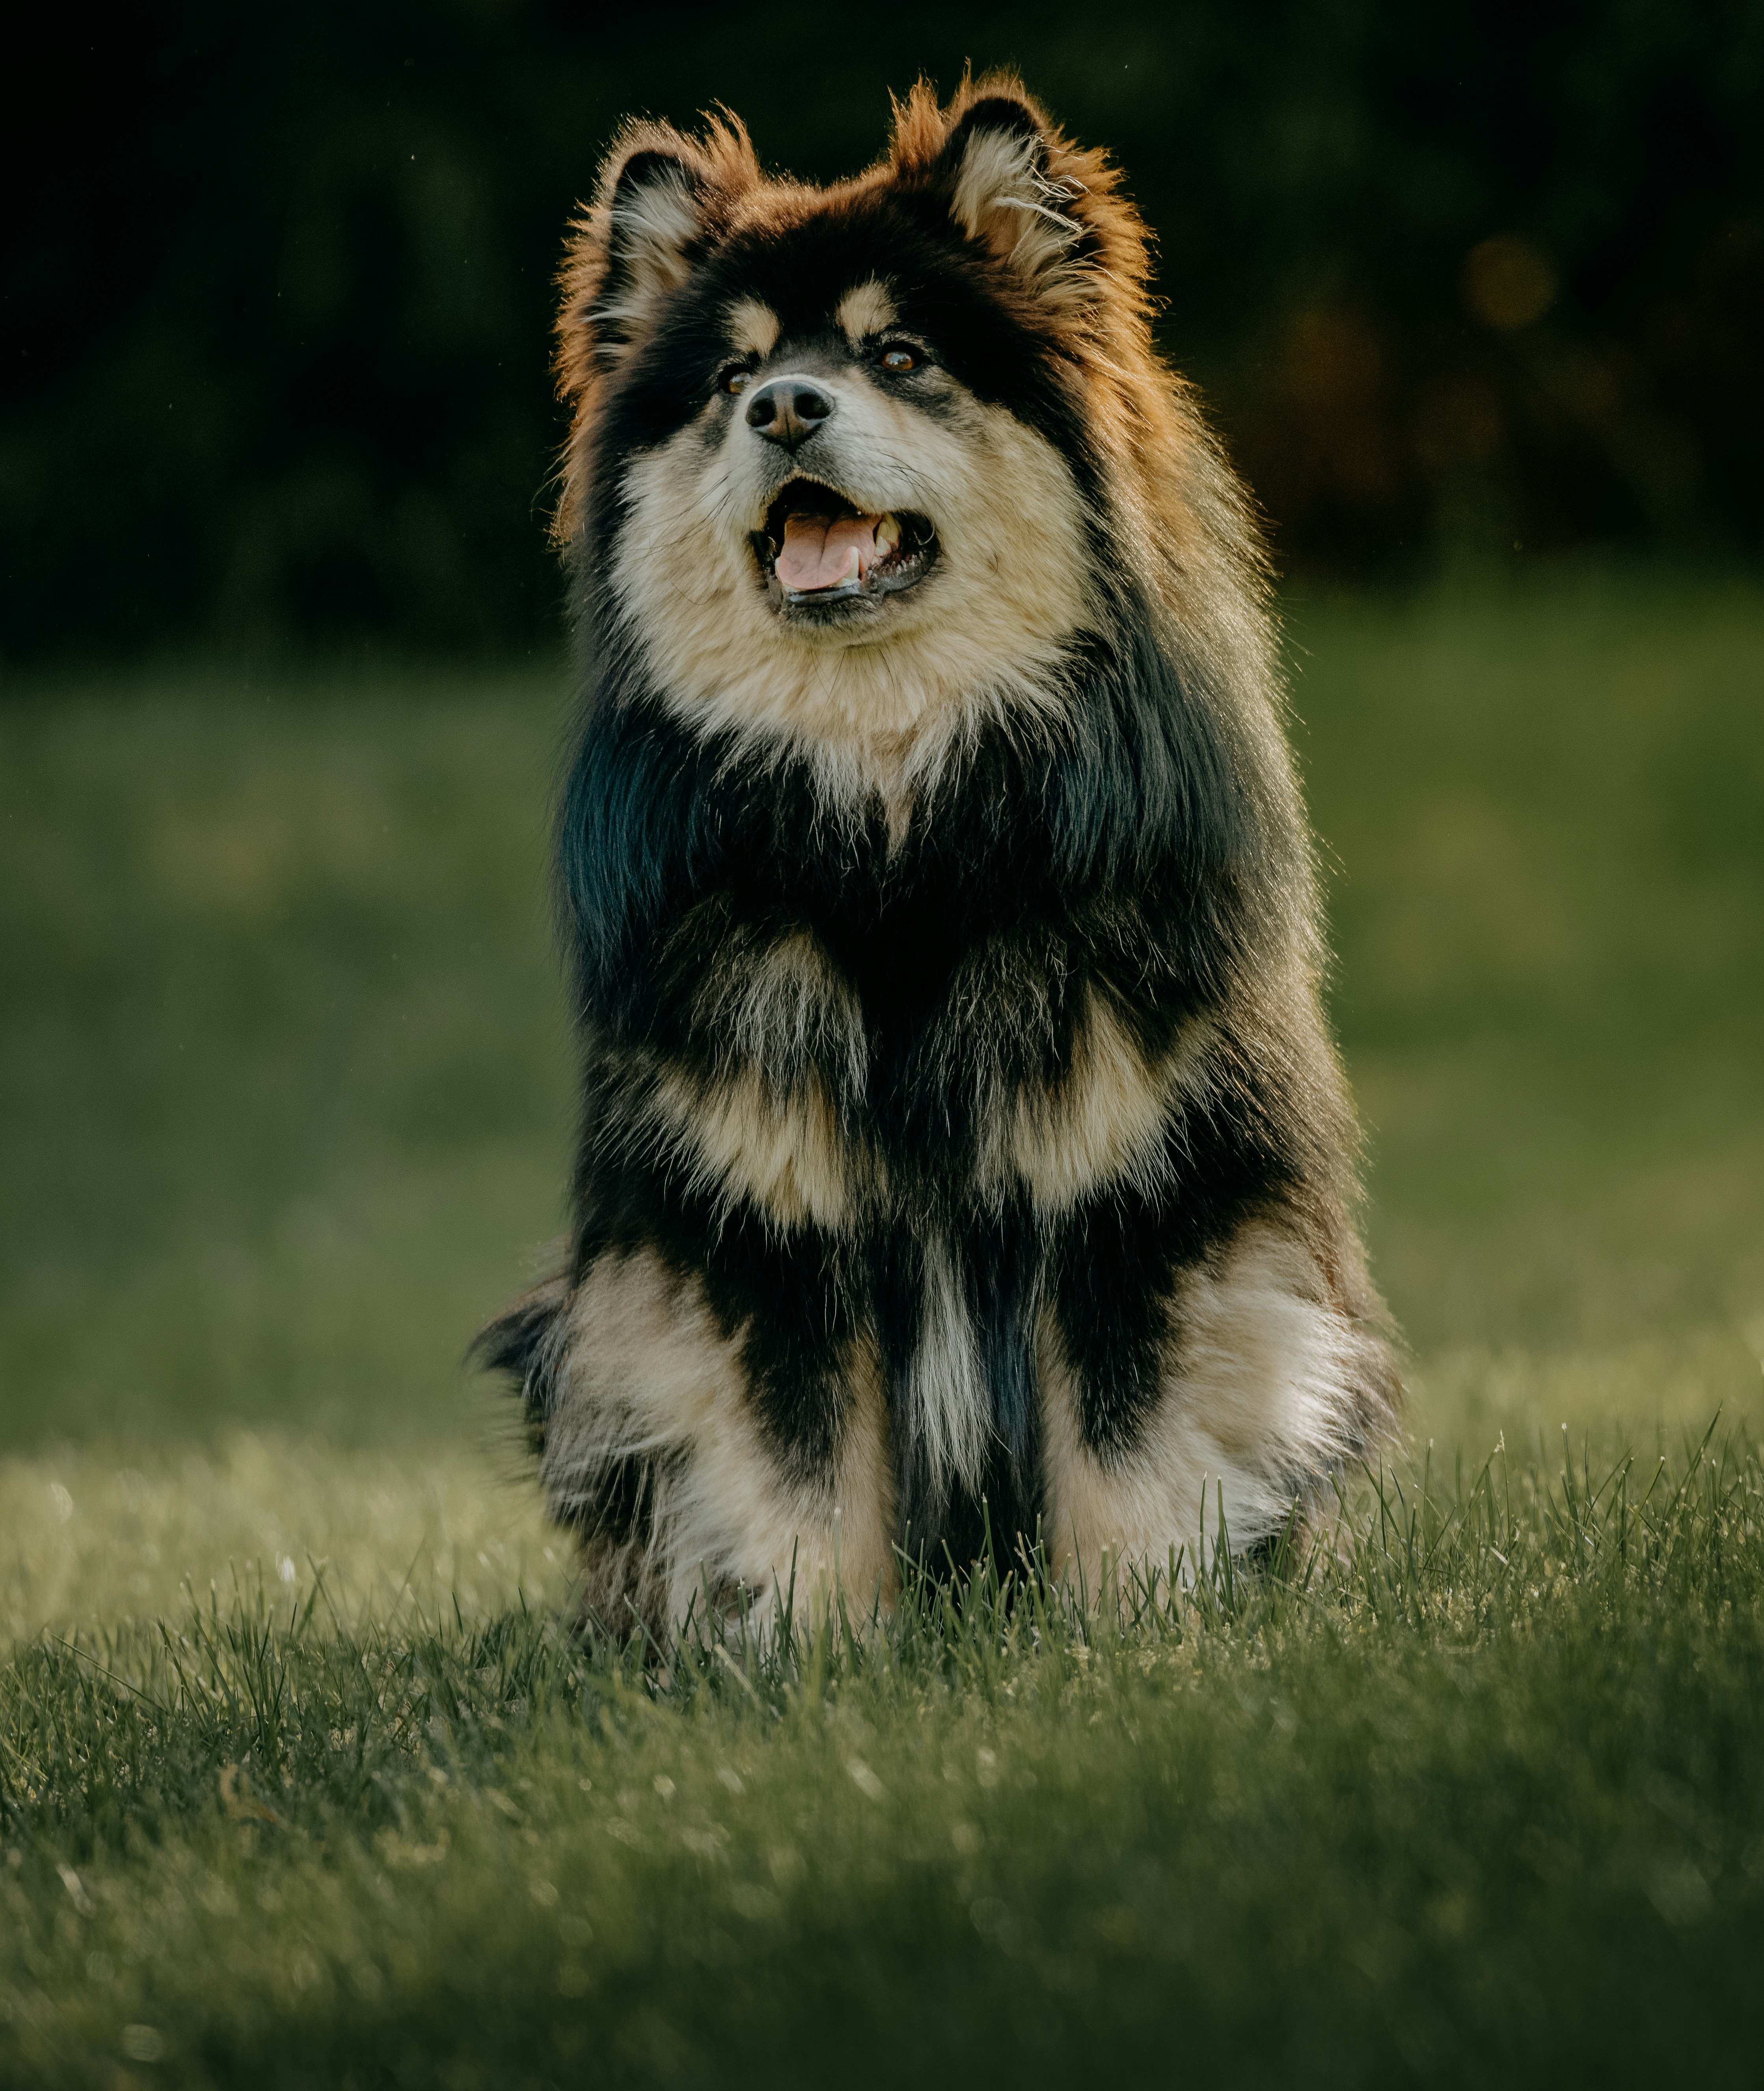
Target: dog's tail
526, 1343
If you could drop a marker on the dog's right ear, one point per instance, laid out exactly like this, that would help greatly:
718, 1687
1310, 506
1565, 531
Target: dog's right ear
661, 199
658, 202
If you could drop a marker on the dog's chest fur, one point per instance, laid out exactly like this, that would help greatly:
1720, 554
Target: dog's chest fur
909, 1095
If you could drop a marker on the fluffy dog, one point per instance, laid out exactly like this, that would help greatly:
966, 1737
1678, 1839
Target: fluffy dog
962, 1143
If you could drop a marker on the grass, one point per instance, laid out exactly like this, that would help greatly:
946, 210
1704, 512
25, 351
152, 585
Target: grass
1483, 1797
299, 1783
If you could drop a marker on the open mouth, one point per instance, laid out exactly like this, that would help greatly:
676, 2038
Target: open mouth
817, 549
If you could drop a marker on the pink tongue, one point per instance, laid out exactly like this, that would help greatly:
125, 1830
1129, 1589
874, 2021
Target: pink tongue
817, 554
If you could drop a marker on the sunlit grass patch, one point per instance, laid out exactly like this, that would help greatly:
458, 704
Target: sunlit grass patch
96, 1536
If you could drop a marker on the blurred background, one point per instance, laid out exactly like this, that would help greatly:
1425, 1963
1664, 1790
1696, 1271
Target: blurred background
1460, 281
1475, 295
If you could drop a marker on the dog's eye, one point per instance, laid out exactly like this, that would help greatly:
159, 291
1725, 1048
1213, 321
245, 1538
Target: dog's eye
737, 379
898, 359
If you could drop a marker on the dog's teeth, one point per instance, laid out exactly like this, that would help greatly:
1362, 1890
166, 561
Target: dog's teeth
887, 535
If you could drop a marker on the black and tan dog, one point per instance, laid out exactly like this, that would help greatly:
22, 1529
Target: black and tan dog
961, 1137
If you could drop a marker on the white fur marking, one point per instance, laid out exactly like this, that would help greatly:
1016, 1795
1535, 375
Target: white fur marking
950, 1408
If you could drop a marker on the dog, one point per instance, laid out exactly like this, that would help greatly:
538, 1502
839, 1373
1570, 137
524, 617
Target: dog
964, 1159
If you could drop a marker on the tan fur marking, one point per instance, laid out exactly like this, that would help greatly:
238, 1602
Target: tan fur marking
862, 1540
950, 1405
782, 1150
647, 1376
784, 1007
866, 309
753, 327
1108, 1119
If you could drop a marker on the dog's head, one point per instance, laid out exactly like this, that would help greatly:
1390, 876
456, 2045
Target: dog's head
846, 459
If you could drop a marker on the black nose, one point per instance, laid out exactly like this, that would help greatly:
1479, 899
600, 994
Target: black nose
788, 411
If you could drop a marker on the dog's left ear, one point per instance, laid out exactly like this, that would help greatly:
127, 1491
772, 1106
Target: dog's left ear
1008, 180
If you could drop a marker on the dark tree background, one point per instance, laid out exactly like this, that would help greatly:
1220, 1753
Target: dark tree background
1456, 279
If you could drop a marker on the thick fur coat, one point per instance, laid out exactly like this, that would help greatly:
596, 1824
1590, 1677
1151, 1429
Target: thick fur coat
961, 1141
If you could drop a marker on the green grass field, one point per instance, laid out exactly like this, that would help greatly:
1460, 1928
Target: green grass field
299, 1782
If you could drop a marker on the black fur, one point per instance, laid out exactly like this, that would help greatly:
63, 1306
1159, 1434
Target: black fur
1111, 858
